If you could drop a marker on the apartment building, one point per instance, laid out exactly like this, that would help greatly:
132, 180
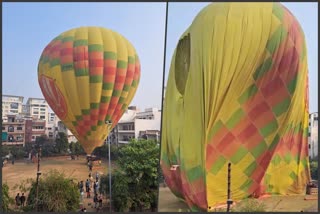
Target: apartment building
38, 108
135, 124
19, 130
11, 105
313, 135
13, 131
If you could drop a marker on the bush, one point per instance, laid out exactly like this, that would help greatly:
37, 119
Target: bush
6, 199
250, 205
56, 193
314, 170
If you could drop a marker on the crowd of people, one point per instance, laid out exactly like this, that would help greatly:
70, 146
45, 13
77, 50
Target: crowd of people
89, 185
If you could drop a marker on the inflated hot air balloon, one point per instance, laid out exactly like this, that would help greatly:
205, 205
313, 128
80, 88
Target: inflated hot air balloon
88, 76
237, 93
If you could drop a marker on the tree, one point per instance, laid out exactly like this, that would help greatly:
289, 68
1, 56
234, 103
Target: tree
6, 199
314, 170
56, 193
135, 183
62, 143
42, 139
76, 148
102, 151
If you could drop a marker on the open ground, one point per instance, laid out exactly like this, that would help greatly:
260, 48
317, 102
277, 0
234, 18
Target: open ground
75, 169
169, 203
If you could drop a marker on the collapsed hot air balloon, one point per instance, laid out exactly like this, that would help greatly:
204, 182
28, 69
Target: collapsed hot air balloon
237, 93
88, 76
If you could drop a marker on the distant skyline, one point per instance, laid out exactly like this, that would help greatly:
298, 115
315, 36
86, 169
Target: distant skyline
181, 15
28, 27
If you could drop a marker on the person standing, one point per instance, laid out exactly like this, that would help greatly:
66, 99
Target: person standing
95, 200
17, 199
87, 184
22, 199
88, 192
97, 187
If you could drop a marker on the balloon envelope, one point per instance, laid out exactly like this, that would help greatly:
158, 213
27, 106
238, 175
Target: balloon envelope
237, 93
88, 76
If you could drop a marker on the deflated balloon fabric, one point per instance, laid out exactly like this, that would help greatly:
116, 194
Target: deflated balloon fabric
237, 92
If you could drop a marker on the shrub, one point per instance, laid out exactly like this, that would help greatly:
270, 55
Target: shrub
56, 193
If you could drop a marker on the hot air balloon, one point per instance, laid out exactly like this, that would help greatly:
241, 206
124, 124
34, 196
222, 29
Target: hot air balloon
89, 76
237, 93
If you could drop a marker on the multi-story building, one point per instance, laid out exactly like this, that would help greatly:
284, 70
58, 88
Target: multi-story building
52, 125
38, 107
150, 135
13, 131
37, 127
11, 105
20, 130
313, 135
136, 124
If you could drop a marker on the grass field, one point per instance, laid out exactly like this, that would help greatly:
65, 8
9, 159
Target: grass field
169, 203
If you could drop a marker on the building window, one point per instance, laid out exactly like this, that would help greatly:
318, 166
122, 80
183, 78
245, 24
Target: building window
3, 128
42, 109
10, 138
19, 128
37, 127
35, 112
10, 129
309, 146
42, 117
19, 138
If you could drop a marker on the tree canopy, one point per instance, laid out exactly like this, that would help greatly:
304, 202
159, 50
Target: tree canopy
135, 181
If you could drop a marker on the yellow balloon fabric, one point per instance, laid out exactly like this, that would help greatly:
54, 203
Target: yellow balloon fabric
89, 76
237, 93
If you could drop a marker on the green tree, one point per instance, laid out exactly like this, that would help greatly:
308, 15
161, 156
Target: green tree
62, 143
314, 170
57, 193
6, 199
42, 139
103, 152
135, 185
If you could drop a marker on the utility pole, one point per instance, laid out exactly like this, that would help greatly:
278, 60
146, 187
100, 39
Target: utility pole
38, 175
229, 200
109, 124
110, 209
